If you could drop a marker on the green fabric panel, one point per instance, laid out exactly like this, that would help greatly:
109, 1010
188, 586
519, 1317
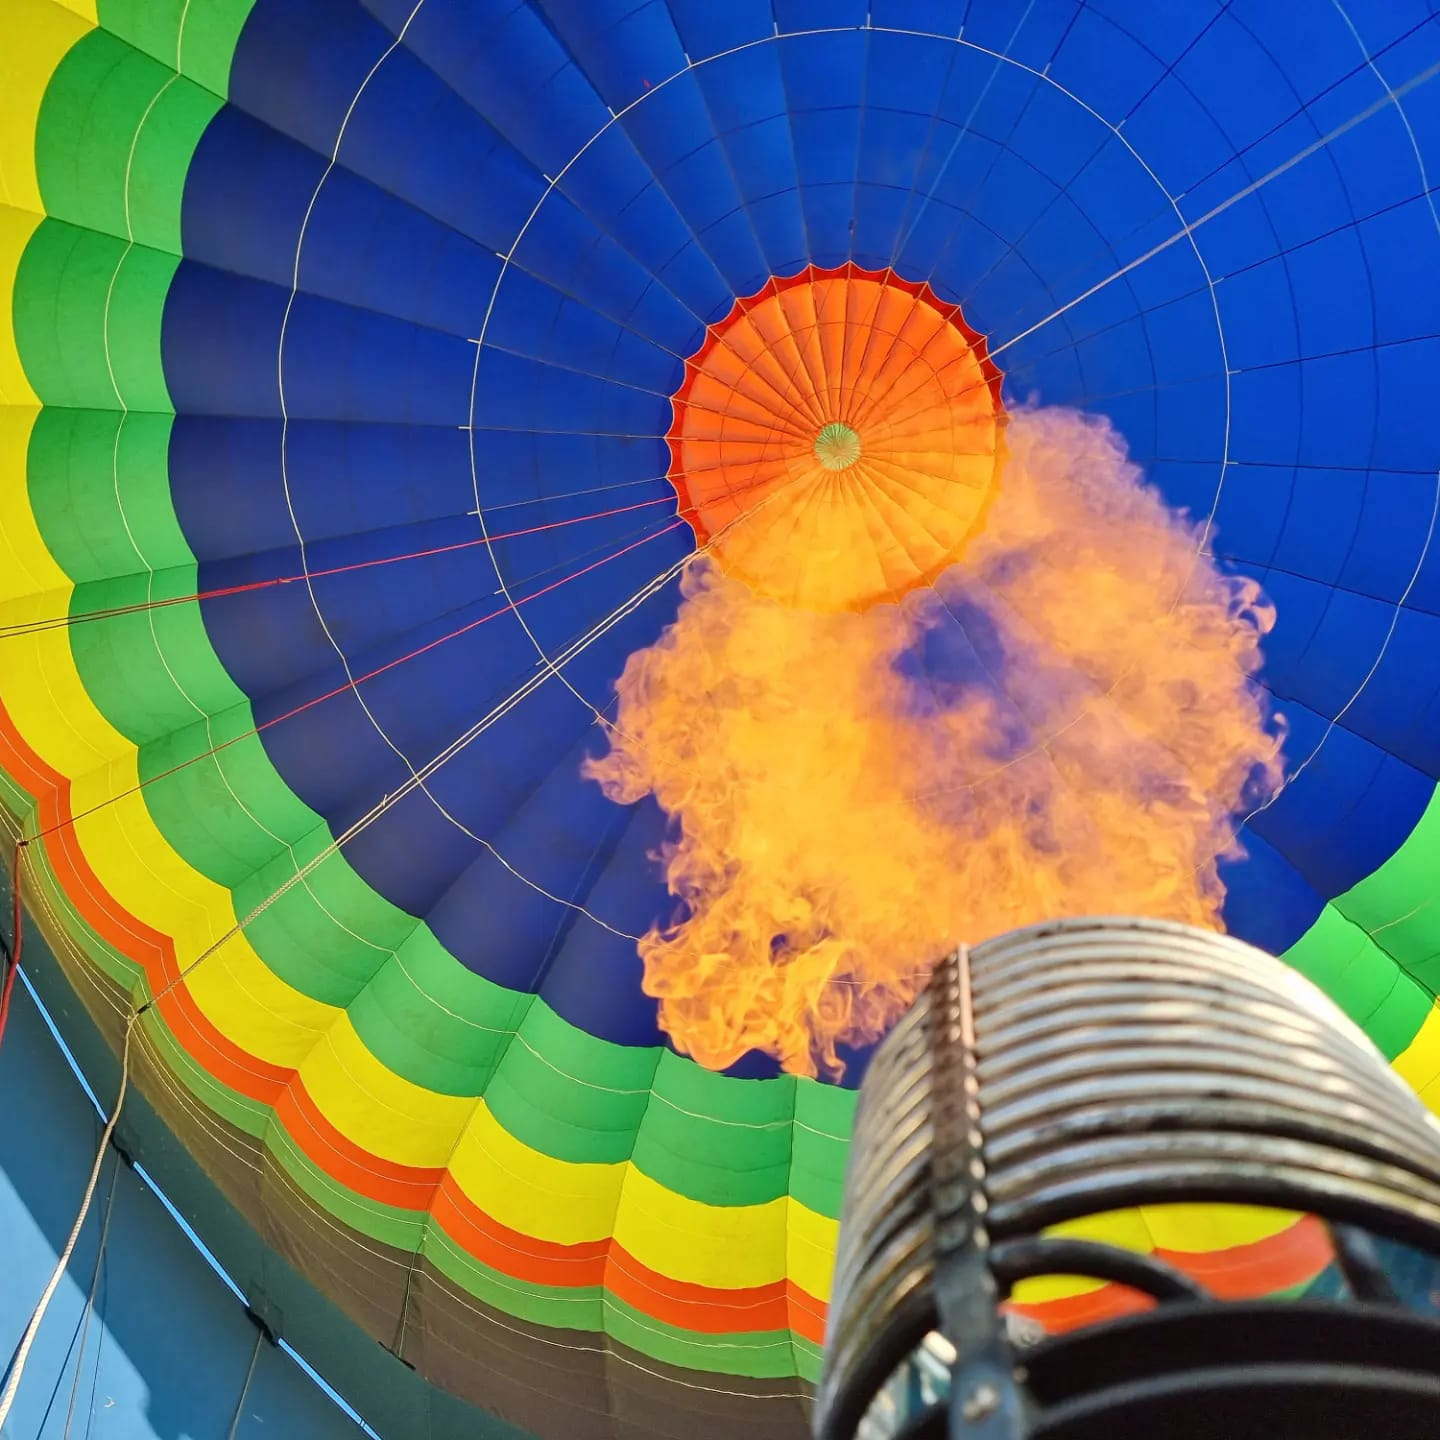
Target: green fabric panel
580, 1055
123, 971
92, 474
580, 1308
155, 676
195, 37
17, 800
429, 1018
137, 660
1362, 980
1329, 950
689, 1086
397, 1019
762, 1353
819, 1147
114, 141
714, 1138
400, 1229
319, 936
1397, 1019
1397, 904
826, 1109
809, 1359
571, 1116
196, 807
243, 1113
74, 291
331, 935
759, 1354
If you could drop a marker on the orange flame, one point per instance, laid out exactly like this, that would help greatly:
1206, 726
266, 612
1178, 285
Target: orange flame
1064, 724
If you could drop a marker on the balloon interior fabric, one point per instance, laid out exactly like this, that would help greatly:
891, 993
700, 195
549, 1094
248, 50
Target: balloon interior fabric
370, 372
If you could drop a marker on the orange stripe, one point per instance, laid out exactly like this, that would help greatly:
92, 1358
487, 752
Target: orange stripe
523, 1257
1279, 1262
778, 1306
153, 951
1243, 1272
1276, 1263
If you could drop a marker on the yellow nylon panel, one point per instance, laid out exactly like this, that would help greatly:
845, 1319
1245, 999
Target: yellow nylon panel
37, 35
1419, 1063
1183, 1228
234, 989
369, 1103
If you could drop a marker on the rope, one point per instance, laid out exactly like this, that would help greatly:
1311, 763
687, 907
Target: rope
349, 686
27, 1340
55, 622
234, 1429
12, 950
90, 1301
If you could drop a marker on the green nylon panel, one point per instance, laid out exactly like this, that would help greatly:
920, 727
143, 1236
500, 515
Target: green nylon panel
598, 1121
809, 1360
1376, 949
55, 904
15, 798
246, 1115
90, 472
87, 313
759, 1353
114, 141
824, 1118
1397, 903
157, 680
401, 1229
1362, 979
101, 290
763, 1354
195, 37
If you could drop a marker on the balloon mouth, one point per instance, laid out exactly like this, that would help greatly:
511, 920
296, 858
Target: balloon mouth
769, 420
837, 446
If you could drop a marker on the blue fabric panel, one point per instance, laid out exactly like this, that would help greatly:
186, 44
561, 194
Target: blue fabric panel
532, 214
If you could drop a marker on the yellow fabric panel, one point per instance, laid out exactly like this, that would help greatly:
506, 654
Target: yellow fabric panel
532, 1193
1184, 1228
16, 228
1041, 1288
1200, 1228
233, 987
739, 1245
811, 1255
37, 35
274, 1021
31, 586
43, 693
366, 1101
569, 1204
1419, 1063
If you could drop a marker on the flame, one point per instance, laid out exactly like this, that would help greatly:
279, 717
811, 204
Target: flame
1065, 723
